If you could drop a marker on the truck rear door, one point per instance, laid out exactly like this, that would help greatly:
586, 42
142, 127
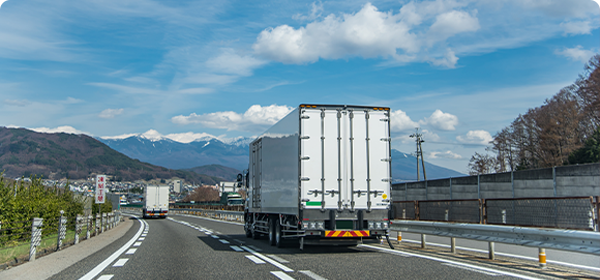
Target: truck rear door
345, 157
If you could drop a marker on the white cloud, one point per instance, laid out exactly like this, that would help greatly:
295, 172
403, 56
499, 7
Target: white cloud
430, 136
64, 129
15, 102
315, 12
255, 119
2, 2
441, 120
476, 137
371, 33
230, 62
399, 121
451, 23
576, 27
446, 154
110, 113
576, 54
151, 91
559, 8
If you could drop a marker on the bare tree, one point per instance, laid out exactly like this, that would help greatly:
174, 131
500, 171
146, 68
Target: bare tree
482, 164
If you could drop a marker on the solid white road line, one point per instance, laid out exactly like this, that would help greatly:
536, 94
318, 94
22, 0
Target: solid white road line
281, 275
490, 270
130, 251
277, 258
120, 262
236, 248
471, 269
99, 268
280, 266
105, 277
255, 259
312, 275
506, 255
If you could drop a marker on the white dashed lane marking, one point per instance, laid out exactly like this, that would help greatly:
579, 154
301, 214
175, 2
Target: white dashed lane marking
280, 266
105, 277
255, 259
312, 275
281, 275
236, 248
137, 244
130, 252
120, 262
277, 258
223, 241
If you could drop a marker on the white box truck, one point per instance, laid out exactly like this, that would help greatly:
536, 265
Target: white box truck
156, 201
322, 174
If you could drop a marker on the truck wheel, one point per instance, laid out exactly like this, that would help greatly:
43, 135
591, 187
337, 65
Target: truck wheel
278, 235
272, 232
247, 229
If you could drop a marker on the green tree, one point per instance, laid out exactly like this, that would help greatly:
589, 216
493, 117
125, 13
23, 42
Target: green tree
590, 152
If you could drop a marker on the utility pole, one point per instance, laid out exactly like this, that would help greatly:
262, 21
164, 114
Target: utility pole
419, 153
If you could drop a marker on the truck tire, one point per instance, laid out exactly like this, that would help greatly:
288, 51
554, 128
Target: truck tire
278, 235
247, 229
272, 232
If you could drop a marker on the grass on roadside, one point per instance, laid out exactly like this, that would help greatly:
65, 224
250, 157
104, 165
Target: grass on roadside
48, 242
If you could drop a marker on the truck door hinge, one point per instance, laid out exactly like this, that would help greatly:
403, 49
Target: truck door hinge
304, 137
305, 117
386, 180
305, 158
386, 159
332, 192
304, 179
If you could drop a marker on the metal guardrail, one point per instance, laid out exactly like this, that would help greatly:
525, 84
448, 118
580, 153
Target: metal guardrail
215, 214
570, 240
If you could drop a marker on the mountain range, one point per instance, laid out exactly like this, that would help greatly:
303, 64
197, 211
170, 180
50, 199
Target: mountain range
208, 150
60, 155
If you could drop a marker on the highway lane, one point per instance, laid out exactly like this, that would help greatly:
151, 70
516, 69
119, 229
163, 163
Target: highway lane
186, 247
554, 257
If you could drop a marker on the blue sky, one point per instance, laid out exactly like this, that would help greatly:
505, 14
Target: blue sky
461, 70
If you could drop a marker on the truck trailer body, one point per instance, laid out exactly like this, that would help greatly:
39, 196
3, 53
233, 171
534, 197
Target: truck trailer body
321, 174
156, 201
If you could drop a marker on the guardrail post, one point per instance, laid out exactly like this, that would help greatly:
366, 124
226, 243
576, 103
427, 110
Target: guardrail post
542, 257
103, 223
453, 245
77, 228
62, 230
491, 251
36, 237
399, 237
89, 225
423, 241
98, 224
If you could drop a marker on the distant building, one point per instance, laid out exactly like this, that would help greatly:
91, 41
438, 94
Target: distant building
177, 186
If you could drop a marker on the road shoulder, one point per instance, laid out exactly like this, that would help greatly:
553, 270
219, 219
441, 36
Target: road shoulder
51, 264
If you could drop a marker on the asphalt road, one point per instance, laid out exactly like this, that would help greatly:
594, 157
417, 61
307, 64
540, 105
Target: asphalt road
186, 247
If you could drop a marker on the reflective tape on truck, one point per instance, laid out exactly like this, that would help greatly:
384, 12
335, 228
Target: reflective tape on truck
346, 233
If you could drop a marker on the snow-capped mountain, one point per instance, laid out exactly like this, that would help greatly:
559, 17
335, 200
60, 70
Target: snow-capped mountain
206, 149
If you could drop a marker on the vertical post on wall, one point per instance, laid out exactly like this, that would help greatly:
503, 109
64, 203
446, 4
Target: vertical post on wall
89, 224
36, 237
62, 224
450, 187
423, 241
97, 227
453, 245
512, 183
77, 228
554, 180
492, 250
478, 187
405, 191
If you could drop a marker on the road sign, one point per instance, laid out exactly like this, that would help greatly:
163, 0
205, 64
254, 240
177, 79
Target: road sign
100, 188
